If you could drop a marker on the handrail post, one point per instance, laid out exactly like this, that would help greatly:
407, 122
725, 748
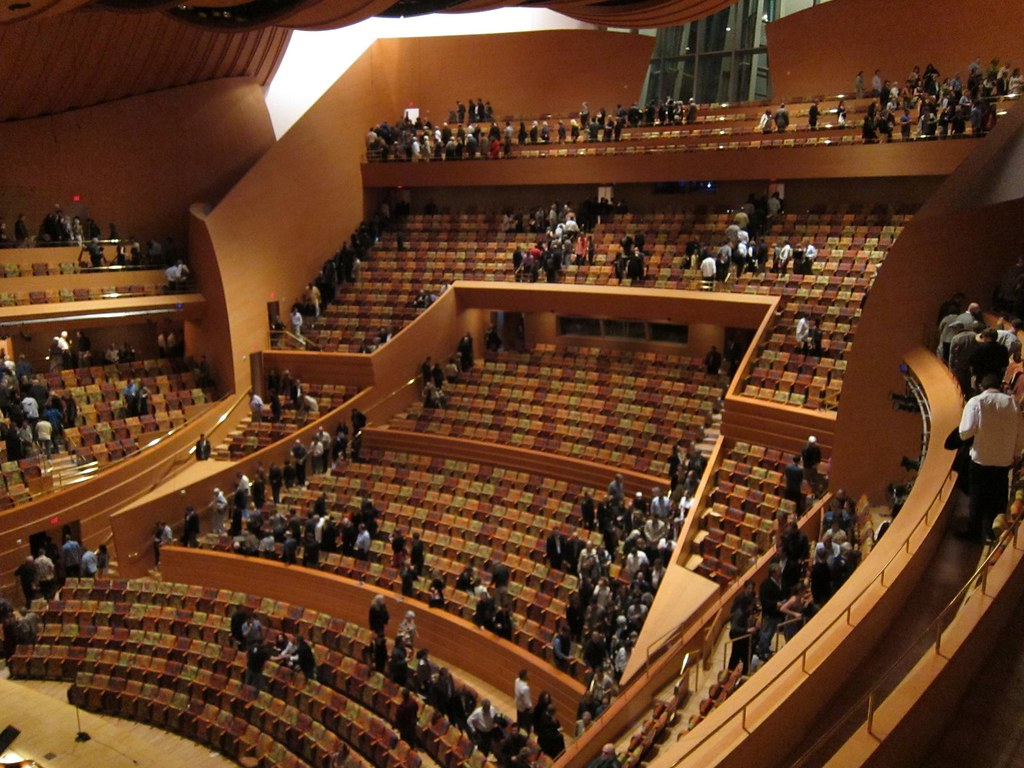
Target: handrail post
871, 711
938, 638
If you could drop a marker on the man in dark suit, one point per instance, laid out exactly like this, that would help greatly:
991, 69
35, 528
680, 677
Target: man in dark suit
190, 533
571, 553
202, 448
556, 550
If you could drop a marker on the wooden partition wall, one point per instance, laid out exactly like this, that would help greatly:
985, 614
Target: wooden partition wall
448, 638
848, 161
907, 725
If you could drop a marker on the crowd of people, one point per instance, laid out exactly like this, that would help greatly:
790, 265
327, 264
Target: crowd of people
937, 107
563, 238
474, 132
34, 418
40, 576
604, 614
60, 228
990, 438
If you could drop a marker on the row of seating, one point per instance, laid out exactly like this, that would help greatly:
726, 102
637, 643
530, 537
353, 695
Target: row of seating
718, 692
155, 373
642, 745
134, 290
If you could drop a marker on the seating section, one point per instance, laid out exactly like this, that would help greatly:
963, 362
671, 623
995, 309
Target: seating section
438, 249
161, 653
121, 291
105, 432
740, 517
249, 437
466, 514
587, 403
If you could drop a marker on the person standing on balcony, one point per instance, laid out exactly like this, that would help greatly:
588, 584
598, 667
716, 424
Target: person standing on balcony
992, 419
781, 118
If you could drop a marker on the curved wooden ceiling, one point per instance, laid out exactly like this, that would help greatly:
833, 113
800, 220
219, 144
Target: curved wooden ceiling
59, 55
89, 56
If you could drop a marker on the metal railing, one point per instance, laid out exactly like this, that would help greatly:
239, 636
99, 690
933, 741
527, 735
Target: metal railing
933, 510
870, 701
284, 339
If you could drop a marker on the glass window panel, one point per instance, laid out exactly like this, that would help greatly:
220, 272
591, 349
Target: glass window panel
579, 326
762, 85
678, 334
713, 74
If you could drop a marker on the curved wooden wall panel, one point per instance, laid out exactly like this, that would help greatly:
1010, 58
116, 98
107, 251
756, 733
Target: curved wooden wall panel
138, 162
946, 33
953, 244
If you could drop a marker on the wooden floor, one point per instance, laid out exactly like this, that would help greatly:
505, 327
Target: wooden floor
48, 728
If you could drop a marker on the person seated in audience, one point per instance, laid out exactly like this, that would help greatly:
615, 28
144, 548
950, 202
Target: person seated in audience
607, 758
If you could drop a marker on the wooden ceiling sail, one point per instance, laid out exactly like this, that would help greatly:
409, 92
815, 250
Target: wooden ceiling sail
93, 56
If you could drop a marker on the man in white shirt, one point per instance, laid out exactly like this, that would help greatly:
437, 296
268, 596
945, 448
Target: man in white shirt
993, 420
636, 560
482, 726
30, 407
708, 271
524, 702
810, 254
256, 407
363, 543
44, 436
803, 332
783, 253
